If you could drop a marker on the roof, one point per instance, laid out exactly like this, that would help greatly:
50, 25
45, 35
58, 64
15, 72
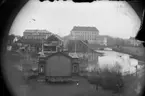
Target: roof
36, 30
82, 28
30, 41
60, 38
90, 47
53, 37
81, 46
38, 41
59, 53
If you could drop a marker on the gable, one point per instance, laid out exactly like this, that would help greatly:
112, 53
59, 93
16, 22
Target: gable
53, 38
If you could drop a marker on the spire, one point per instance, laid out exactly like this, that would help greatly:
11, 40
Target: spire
42, 51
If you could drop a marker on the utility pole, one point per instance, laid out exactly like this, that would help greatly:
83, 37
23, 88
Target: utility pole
136, 70
42, 51
75, 43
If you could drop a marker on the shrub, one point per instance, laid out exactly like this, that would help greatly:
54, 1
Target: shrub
108, 79
112, 81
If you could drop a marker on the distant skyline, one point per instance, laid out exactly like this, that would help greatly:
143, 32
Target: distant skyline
60, 18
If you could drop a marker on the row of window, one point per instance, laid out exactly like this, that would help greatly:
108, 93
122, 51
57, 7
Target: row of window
86, 35
90, 35
35, 37
36, 33
86, 38
83, 32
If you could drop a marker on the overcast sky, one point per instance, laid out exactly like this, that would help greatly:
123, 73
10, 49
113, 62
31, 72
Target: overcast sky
110, 18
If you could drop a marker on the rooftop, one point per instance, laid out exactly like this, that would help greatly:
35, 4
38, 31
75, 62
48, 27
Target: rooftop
83, 28
81, 46
36, 32
39, 41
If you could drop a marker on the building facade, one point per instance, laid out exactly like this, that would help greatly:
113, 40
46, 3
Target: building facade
84, 33
53, 44
101, 40
54, 65
36, 34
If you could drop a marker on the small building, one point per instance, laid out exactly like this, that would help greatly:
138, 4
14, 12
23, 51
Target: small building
58, 64
53, 44
36, 34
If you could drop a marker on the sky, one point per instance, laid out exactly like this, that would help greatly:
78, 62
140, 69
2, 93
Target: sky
115, 19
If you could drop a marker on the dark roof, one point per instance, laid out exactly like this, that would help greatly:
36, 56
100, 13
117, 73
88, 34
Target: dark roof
38, 41
54, 38
36, 30
82, 28
60, 53
90, 47
95, 46
80, 47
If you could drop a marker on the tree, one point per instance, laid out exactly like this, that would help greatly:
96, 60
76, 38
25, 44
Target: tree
11, 38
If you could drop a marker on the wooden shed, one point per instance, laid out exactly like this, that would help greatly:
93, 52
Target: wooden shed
58, 64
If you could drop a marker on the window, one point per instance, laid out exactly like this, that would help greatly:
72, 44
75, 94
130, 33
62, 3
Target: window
41, 68
75, 68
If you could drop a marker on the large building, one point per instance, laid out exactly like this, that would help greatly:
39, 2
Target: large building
36, 34
34, 39
84, 33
